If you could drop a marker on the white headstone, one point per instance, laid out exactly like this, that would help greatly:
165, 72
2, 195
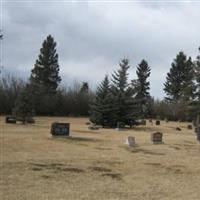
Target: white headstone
130, 141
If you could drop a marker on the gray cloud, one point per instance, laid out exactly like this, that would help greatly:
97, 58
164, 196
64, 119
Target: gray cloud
92, 37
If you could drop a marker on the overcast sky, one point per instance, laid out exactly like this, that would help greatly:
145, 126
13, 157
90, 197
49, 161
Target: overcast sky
93, 36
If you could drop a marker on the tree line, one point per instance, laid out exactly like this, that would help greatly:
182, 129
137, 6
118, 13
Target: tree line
118, 98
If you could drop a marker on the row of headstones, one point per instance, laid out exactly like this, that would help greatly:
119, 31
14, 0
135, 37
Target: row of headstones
14, 120
62, 129
156, 138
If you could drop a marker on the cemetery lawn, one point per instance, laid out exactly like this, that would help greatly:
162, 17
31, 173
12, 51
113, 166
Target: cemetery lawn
97, 165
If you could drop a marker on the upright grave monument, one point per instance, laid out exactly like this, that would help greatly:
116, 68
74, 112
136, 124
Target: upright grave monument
157, 122
130, 141
197, 127
156, 138
60, 129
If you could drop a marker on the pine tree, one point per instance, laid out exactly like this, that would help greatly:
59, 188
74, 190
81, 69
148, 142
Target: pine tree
196, 103
83, 98
45, 77
23, 106
124, 107
179, 86
101, 106
143, 87
197, 76
179, 83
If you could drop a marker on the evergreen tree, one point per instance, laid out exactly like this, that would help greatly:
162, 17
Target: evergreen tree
83, 98
179, 86
101, 106
124, 105
23, 109
197, 76
196, 102
45, 77
179, 83
143, 87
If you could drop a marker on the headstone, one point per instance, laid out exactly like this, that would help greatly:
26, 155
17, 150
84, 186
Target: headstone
143, 122
189, 126
197, 131
120, 126
93, 127
178, 129
60, 129
151, 121
156, 138
130, 141
157, 122
11, 120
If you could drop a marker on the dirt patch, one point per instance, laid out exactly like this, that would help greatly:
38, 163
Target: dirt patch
100, 169
71, 169
116, 176
144, 151
56, 167
103, 148
154, 164
112, 163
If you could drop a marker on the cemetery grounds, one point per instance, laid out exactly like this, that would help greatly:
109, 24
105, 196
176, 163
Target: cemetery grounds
96, 164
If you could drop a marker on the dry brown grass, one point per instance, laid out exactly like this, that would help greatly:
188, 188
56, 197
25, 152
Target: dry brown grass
96, 164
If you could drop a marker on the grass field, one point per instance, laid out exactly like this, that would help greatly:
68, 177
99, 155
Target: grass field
97, 164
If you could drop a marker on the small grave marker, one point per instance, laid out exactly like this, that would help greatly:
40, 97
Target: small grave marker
156, 138
178, 128
130, 141
93, 127
189, 126
197, 131
120, 126
60, 129
157, 122
11, 120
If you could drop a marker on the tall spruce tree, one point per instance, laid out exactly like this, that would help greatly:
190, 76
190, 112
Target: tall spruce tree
45, 77
179, 86
124, 106
143, 86
179, 83
196, 102
101, 106
197, 77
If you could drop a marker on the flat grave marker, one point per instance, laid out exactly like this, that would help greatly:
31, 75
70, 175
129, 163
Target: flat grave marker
11, 120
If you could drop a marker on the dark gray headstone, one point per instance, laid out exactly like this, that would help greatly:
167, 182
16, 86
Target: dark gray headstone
11, 120
189, 126
93, 127
197, 131
156, 138
178, 128
60, 129
157, 122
